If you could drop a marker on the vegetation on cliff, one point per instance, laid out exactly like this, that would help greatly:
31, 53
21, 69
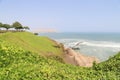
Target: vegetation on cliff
30, 42
21, 59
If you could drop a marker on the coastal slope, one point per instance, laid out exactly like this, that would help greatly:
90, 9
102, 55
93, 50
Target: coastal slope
47, 47
28, 41
20, 62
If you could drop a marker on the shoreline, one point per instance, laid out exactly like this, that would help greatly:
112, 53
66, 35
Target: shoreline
76, 58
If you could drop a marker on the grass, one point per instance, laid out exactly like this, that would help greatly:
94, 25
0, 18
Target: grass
31, 42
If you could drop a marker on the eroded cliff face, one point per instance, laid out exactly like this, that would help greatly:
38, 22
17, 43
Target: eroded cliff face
72, 57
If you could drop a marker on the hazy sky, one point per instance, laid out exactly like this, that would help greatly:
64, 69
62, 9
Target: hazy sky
63, 15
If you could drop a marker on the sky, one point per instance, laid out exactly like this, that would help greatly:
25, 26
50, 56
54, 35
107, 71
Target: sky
63, 15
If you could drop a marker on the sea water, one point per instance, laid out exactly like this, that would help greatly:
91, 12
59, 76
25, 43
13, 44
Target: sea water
100, 45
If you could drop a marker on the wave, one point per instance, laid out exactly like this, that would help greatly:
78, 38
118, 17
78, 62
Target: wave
102, 44
79, 42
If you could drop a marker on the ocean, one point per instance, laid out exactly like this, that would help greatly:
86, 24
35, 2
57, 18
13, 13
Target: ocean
100, 45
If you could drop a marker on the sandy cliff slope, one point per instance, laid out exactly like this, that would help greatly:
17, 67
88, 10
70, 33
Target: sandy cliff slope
79, 59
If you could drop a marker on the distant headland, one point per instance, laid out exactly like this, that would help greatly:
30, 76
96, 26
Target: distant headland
45, 30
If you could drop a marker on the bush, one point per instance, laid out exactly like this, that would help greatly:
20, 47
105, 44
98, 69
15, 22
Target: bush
36, 34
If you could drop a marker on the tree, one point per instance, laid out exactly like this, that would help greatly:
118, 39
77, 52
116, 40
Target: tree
26, 28
7, 26
1, 25
17, 25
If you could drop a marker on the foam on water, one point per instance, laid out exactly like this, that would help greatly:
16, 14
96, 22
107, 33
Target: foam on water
102, 44
71, 42
101, 49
